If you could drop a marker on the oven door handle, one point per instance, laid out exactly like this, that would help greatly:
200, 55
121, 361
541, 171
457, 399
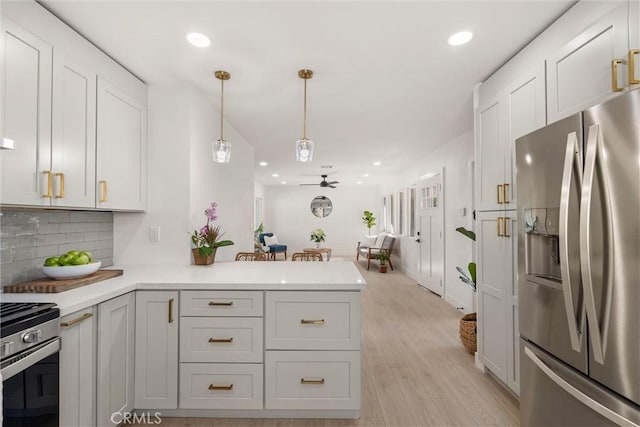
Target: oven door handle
25, 362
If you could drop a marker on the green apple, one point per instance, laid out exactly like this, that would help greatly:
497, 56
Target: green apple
81, 259
73, 253
88, 254
65, 259
51, 262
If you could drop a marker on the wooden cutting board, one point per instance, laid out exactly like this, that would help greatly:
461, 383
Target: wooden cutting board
51, 286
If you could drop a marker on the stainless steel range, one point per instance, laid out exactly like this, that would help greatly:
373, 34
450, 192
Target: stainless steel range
29, 347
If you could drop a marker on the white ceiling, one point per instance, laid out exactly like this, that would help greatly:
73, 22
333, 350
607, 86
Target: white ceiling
387, 87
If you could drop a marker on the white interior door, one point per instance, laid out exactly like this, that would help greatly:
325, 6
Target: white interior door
431, 237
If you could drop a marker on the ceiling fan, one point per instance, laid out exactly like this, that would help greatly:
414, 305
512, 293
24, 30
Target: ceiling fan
324, 183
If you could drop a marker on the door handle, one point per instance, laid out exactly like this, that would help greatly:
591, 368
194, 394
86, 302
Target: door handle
505, 223
614, 75
170, 310
49, 193
632, 67
103, 189
498, 221
505, 187
499, 191
417, 240
572, 164
597, 326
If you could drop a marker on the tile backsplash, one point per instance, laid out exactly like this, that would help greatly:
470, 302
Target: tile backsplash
28, 237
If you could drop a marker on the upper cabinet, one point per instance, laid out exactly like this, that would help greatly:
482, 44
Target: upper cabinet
27, 177
77, 118
592, 67
634, 47
517, 109
122, 150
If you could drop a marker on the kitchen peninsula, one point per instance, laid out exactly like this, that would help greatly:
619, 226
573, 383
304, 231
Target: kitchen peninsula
234, 339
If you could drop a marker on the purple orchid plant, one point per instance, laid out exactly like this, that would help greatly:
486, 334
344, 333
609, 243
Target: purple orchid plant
207, 239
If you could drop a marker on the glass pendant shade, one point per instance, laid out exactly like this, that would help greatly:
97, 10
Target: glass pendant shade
221, 151
304, 150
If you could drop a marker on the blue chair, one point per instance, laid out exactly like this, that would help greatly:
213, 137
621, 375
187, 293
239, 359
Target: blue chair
273, 249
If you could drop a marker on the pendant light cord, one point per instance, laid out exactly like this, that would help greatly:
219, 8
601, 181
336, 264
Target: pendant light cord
221, 108
304, 128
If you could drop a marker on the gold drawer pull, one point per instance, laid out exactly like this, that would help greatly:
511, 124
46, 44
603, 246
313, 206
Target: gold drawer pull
312, 322
220, 387
170, 310
506, 220
75, 321
227, 304
632, 66
505, 188
498, 221
103, 191
60, 194
221, 339
49, 193
499, 192
303, 381
614, 75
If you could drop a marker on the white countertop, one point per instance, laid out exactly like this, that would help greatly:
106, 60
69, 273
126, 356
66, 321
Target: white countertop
279, 276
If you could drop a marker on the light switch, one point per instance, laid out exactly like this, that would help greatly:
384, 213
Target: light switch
7, 144
154, 233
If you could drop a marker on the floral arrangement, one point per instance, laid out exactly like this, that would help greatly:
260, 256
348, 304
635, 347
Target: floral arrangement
207, 239
318, 235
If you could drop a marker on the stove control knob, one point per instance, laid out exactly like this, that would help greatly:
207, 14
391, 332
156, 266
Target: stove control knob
6, 349
32, 336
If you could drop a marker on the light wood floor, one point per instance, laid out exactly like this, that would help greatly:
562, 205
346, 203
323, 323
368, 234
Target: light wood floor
415, 371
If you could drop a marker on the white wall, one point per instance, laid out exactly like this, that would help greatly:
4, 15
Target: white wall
287, 214
454, 157
183, 180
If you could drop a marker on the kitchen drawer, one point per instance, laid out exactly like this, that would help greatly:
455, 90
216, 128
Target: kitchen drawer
221, 303
312, 380
312, 320
220, 386
221, 339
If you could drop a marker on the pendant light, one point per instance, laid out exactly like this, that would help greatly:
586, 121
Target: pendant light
304, 147
222, 148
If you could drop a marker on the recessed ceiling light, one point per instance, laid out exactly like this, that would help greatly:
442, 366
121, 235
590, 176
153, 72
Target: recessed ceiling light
263, 163
377, 163
198, 39
358, 182
275, 175
283, 182
365, 175
460, 38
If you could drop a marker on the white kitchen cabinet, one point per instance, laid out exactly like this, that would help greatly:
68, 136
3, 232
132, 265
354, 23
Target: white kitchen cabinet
116, 337
517, 109
498, 295
27, 118
590, 68
156, 353
634, 44
78, 368
73, 153
121, 169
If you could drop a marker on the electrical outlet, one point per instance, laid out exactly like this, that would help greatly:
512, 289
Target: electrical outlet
154, 233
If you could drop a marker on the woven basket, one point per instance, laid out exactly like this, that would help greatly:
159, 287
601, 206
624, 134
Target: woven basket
468, 332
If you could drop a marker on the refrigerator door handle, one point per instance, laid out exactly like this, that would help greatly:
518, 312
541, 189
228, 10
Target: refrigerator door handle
572, 165
598, 328
577, 394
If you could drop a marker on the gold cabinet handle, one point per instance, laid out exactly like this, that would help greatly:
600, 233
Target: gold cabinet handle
76, 321
49, 193
498, 221
225, 304
614, 75
103, 191
221, 339
312, 322
505, 221
632, 67
60, 194
498, 192
505, 188
303, 381
221, 387
171, 310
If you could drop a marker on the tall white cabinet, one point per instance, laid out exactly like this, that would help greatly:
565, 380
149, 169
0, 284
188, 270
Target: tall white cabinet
156, 350
116, 333
78, 368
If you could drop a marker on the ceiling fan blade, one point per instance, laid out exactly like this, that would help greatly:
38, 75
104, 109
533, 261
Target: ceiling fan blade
333, 182
331, 186
309, 184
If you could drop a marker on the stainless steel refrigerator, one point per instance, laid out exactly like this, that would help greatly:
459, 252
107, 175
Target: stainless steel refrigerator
579, 268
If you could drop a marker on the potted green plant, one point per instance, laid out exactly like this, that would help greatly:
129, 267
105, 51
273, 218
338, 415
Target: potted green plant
318, 235
256, 238
208, 239
468, 324
369, 220
382, 257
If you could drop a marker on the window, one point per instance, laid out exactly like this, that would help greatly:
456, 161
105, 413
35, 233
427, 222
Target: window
412, 212
385, 224
392, 215
257, 215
